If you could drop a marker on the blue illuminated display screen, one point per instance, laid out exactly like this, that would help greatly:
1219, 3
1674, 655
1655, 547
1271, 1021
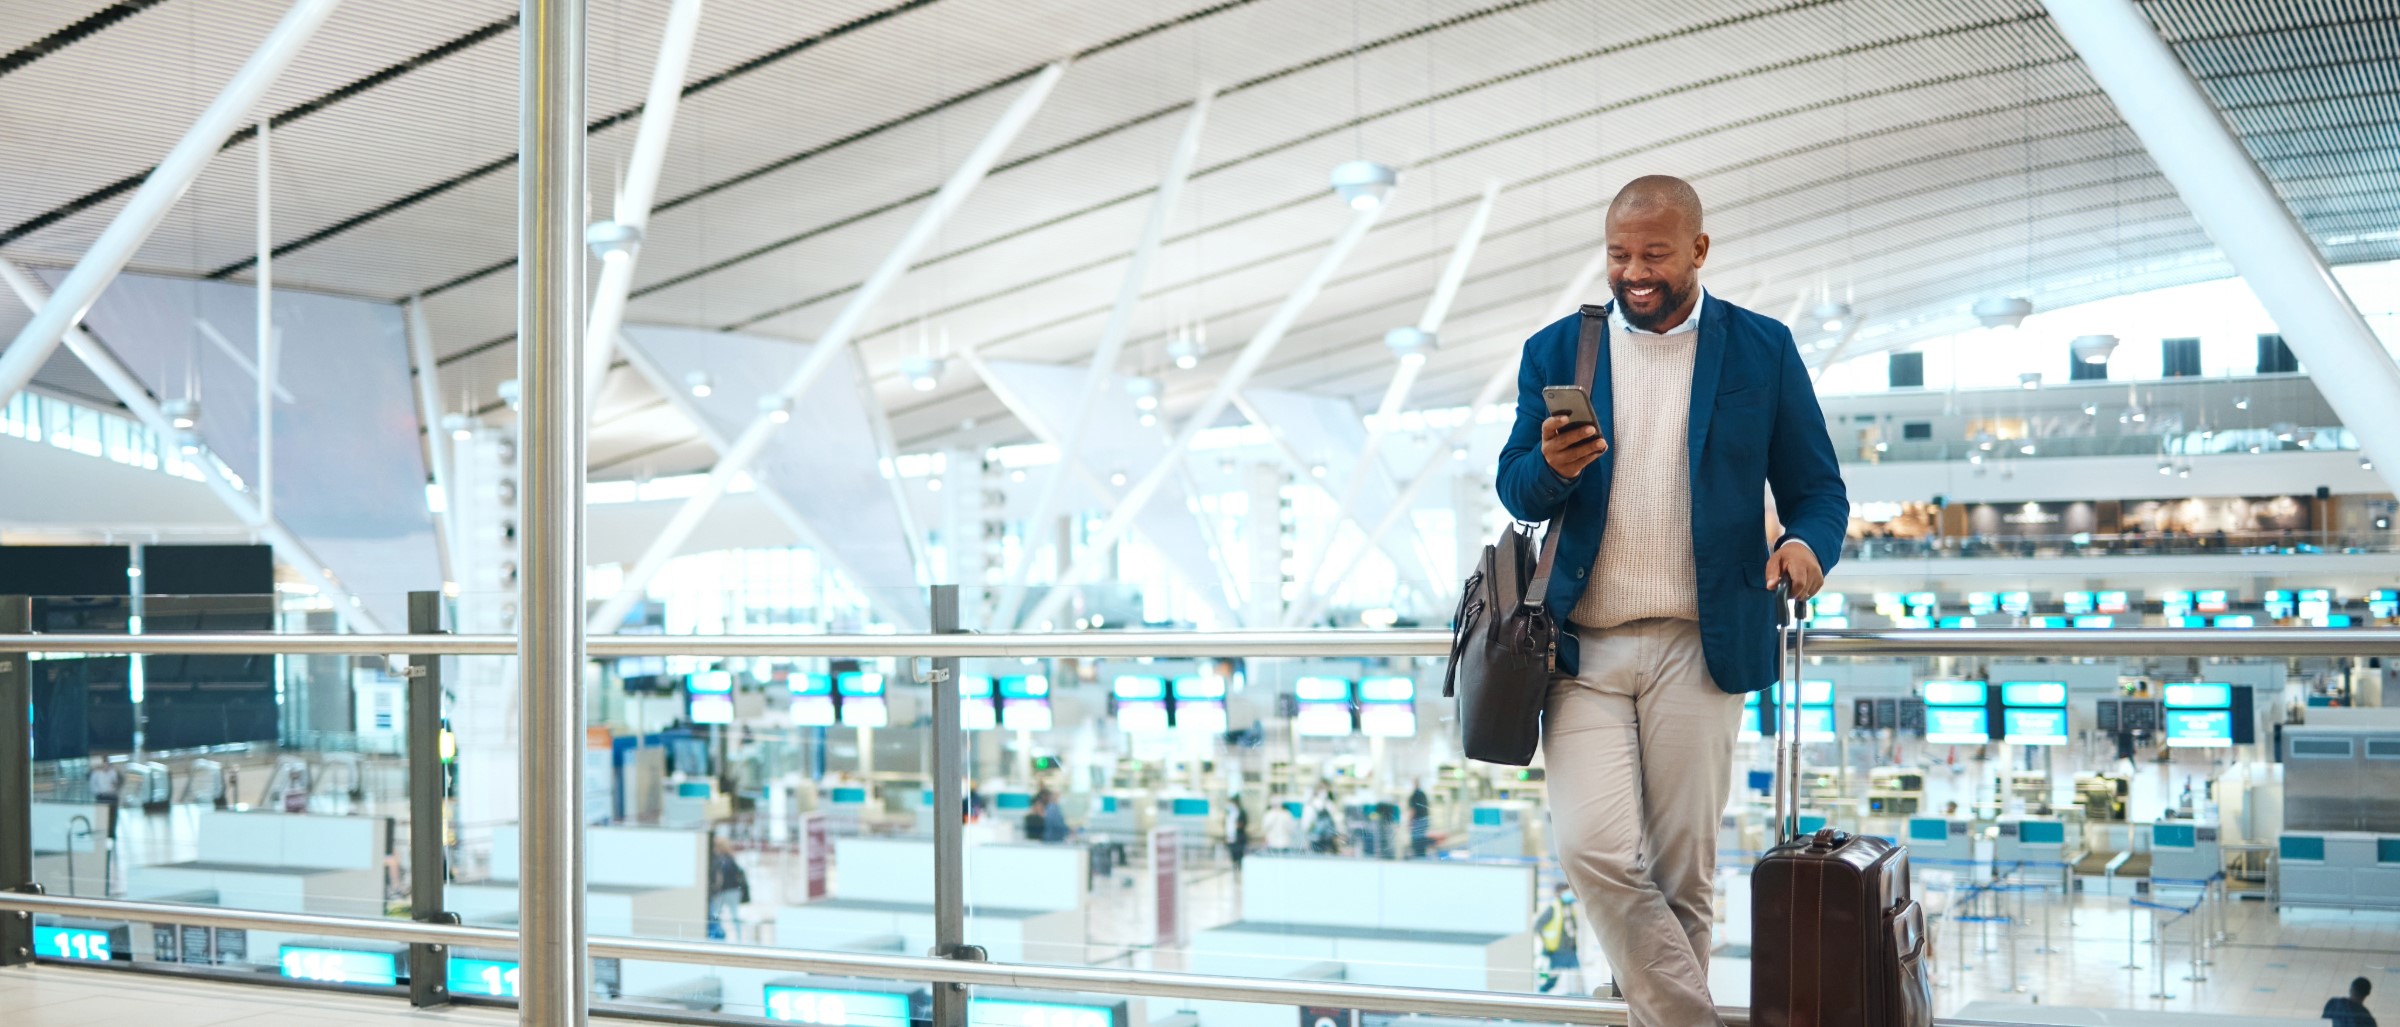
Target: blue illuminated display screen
489, 977
2018, 603
975, 686
859, 683
837, 1008
2096, 620
2035, 727
1919, 600
2211, 600
1025, 686
2199, 695
78, 943
2279, 603
339, 966
2236, 620
2033, 693
1140, 687
810, 684
1321, 689
985, 1012
1204, 686
2079, 602
2046, 621
1955, 693
1387, 689
2196, 729
1983, 603
2383, 602
715, 682
1957, 725
2175, 604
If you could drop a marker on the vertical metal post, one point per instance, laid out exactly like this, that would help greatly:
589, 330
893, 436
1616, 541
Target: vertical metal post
428, 867
949, 817
550, 646
16, 781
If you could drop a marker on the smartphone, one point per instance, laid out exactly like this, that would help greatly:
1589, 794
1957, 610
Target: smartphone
1572, 401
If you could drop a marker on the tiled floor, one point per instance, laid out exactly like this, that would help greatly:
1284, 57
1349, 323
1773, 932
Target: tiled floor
65, 996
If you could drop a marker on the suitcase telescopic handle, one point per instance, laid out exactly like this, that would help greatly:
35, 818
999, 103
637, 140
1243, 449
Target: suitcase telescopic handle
1788, 713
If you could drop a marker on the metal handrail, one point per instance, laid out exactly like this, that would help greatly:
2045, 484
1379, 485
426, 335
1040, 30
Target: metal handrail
1088, 979
1206, 644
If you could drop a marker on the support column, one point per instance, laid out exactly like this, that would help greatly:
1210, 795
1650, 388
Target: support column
158, 194
16, 781
1252, 355
439, 446
1264, 543
835, 342
550, 642
2187, 136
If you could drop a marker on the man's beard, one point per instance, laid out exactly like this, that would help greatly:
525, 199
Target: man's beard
1670, 300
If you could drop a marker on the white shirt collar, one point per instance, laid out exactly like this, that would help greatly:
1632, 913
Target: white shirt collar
1617, 322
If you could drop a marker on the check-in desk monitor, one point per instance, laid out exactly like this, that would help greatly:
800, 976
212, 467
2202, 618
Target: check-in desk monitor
2184, 850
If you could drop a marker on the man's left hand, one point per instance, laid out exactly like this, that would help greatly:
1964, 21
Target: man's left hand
1796, 563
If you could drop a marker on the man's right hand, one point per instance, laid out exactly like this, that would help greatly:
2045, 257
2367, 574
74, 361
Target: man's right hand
1570, 450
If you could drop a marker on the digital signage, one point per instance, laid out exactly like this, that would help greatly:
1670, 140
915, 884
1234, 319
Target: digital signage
83, 944
837, 1008
1956, 693
2033, 693
1957, 725
492, 978
339, 966
2211, 600
2034, 726
2199, 729
2198, 695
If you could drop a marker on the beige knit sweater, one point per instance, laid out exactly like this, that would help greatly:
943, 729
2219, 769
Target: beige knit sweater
1644, 569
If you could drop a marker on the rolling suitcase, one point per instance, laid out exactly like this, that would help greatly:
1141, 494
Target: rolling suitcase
1836, 941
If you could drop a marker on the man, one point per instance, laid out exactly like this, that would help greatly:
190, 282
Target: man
728, 888
1663, 581
1420, 820
1557, 931
2351, 1011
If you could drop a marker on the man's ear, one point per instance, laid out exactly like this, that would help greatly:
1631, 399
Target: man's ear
1700, 249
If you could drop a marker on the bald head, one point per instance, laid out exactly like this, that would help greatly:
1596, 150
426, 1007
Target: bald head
1658, 194
1655, 249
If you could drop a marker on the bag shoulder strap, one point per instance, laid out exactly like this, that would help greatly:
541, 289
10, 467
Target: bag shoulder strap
1587, 362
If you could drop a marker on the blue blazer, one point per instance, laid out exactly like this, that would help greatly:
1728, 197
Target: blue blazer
1754, 425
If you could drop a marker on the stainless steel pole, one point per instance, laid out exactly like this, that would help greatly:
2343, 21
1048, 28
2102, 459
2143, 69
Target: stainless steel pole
16, 782
550, 646
949, 827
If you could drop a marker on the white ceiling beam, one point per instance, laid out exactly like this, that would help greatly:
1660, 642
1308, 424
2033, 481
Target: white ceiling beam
1404, 378
736, 458
1245, 364
158, 194
1503, 376
1112, 336
2189, 140
635, 197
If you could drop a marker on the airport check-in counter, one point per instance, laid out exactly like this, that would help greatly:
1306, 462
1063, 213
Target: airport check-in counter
2184, 853
2343, 869
277, 862
1120, 814
70, 847
1941, 841
1422, 923
2033, 841
1502, 829
1188, 812
649, 882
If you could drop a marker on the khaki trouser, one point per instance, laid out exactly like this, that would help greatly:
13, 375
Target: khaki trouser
1640, 758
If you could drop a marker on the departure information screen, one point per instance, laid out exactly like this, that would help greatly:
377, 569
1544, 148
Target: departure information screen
340, 966
837, 1008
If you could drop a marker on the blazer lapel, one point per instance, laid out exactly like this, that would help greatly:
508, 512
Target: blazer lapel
1707, 361
1604, 404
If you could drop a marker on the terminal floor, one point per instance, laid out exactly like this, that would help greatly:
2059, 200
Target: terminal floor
65, 996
